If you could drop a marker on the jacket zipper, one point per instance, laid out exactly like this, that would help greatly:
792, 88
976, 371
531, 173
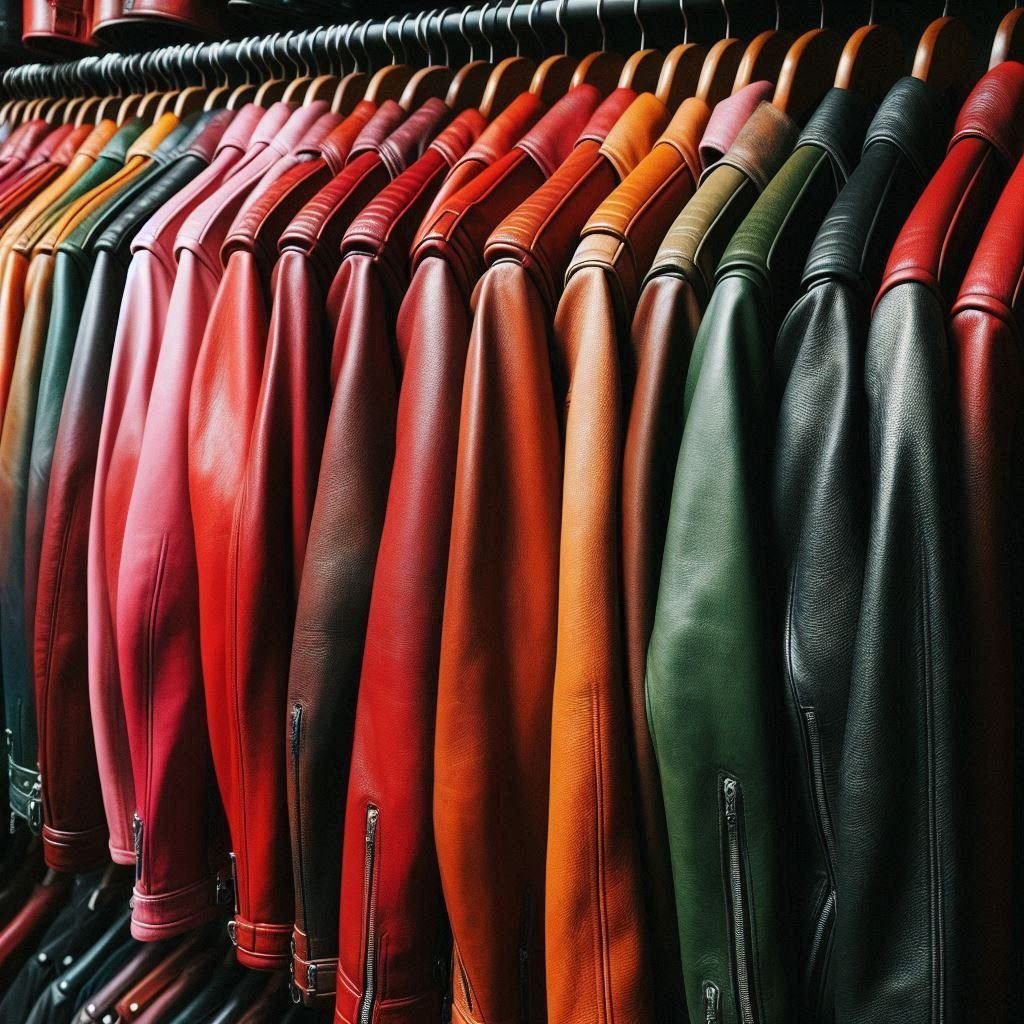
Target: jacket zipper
817, 958
733, 801
296, 739
712, 1003
137, 843
370, 905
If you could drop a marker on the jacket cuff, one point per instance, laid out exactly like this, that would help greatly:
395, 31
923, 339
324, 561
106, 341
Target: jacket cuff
313, 980
162, 915
408, 1010
263, 947
75, 852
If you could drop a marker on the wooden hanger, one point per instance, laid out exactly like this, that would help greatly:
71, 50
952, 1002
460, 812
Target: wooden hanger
808, 71
718, 72
601, 68
642, 69
943, 57
764, 56
681, 71
272, 89
511, 76
469, 82
246, 92
1009, 41
431, 81
217, 97
324, 86
871, 61
553, 77
389, 82
352, 86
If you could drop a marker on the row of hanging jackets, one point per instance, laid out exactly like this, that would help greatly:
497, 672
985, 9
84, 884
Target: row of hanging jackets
555, 569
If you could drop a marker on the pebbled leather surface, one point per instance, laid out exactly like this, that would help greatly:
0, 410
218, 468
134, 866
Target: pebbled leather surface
715, 743
728, 118
821, 511
492, 751
985, 333
592, 781
907, 690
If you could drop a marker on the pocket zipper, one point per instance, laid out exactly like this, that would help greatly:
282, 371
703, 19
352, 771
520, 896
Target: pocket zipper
137, 844
370, 905
712, 1003
733, 804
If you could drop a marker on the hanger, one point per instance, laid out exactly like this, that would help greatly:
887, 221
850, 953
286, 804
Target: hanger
135, 83
111, 103
680, 72
764, 56
470, 81
553, 76
272, 89
428, 82
1009, 42
872, 60
217, 97
180, 82
87, 111
323, 87
643, 68
352, 86
943, 57
718, 72
54, 112
246, 92
162, 64
809, 70
40, 101
511, 76
192, 98
76, 76
295, 91
601, 68
10, 79
389, 82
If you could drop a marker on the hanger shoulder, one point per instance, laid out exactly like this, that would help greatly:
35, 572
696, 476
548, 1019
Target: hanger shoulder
1009, 42
295, 90
642, 71
190, 101
943, 58
718, 72
242, 95
808, 72
468, 85
680, 74
270, 92
425, 84
217, 97
763, 59
388, 83
87, 112
108, 108
323, 87
349, 92
871, 61
510, 78
600, 69
553, 77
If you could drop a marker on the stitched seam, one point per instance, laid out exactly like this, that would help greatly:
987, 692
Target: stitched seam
150, 660
604, 952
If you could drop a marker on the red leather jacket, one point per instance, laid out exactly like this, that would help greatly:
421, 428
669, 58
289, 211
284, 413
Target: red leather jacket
222, 402
136, 346
492, 755
20, 147
51, 156
398, 685
318, 690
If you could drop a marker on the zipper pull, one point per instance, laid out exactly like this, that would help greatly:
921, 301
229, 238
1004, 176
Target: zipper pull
729, 788
712, 1002
137, 842
311, 978
35, 806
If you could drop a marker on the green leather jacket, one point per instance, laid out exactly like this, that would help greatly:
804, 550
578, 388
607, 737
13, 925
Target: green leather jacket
713, 681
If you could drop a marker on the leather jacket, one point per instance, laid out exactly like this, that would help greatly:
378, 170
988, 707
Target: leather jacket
323, 670
596, 892
667, 316
901, 778
820, 500
89, 282
505, 527
16, 193
138, 333
17, 593
398, 682
715, 742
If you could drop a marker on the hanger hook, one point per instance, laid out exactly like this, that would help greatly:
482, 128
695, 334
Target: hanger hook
640, 24
529, 23
599, 10
465, 35
686, 21
821, 4
511, 30
778, 13
441, 15
728, 19
484, 8
560, 22
417, 34
401, 35
945, 9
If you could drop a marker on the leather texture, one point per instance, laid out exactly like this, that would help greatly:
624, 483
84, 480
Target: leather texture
655, 358
597, 880
323, 672
138, 333
906, 705
57, 26
505, 527
222, 401
715, 742
984, 329
821, 509
398, 681
728, 119
402, 982
15, 194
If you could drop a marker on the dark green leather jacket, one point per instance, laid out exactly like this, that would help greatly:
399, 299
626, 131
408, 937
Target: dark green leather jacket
713, 685
821, 491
